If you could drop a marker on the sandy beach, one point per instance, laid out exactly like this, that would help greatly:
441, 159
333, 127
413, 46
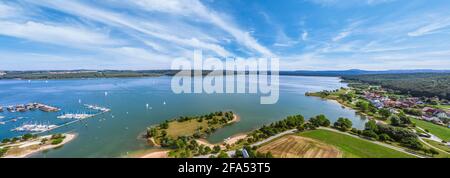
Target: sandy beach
35, 148
236, 118
156, 154
235, 138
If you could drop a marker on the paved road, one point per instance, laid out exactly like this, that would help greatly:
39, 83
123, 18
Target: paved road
274, 137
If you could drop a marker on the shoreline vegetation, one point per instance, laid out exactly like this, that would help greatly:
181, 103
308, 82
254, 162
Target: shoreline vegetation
186, 136
29, 144
289, 138
392, 114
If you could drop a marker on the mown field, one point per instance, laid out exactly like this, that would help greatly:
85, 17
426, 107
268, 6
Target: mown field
185, 128
291, 146
440, 131
353, 147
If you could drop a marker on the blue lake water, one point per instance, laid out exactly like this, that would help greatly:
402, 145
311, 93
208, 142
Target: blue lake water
116, 133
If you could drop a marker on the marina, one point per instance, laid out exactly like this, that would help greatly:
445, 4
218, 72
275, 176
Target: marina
37, 127
34, 128
75, 116
31, 107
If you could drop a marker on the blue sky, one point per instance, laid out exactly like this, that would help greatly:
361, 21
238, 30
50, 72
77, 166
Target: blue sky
149, 34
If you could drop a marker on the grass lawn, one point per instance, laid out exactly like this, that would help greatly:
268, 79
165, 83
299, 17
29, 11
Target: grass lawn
353, 147
186, 128
440, 131
438, 145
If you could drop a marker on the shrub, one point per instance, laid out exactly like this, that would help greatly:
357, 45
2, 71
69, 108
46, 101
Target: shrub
57, 141
6, 140
371, 134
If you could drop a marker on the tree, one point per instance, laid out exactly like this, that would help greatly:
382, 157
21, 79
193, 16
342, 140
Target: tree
384, 137
216, 149
372, 126
238, 153
343, 124
371, 134
411, 143
27, 136
301, 128
164, 125
433, 152
151, 132
362, 105
44, 141
385, 113
395, 120
6, 140
207, 150
3, 151
404, 120
14, 140
320, 120
222, 154
269, 155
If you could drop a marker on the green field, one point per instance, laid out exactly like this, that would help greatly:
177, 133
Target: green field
353, 147
438, 145
440, 131
186, 128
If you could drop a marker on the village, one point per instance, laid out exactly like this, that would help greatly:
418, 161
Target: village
432, 109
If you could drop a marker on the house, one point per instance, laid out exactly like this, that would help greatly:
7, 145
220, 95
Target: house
389, 103
377, 103
428, 111
441, 114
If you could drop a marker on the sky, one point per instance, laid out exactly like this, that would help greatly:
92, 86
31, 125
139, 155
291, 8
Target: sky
150, 34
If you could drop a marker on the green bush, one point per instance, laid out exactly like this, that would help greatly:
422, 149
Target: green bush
57, 141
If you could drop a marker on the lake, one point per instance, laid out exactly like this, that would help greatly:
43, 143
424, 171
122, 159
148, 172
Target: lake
115, 133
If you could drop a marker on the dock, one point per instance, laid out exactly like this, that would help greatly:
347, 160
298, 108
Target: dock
31, 107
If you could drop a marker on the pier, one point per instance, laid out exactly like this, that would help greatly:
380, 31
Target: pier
31, 107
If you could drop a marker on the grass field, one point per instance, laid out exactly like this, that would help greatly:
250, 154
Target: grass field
186, 128
353, 147
291, 146
438, 145
440, 131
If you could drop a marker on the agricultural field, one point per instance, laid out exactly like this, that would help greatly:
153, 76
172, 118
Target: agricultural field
291, 146
353, 147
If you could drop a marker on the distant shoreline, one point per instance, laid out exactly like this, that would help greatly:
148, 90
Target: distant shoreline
79, 74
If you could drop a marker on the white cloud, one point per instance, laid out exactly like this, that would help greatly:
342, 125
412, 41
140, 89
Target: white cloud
305, 35
7, 11
136, 24
196, 8
55, 34
431, 28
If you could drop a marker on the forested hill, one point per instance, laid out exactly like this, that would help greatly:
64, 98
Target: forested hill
338, 73
418, 84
